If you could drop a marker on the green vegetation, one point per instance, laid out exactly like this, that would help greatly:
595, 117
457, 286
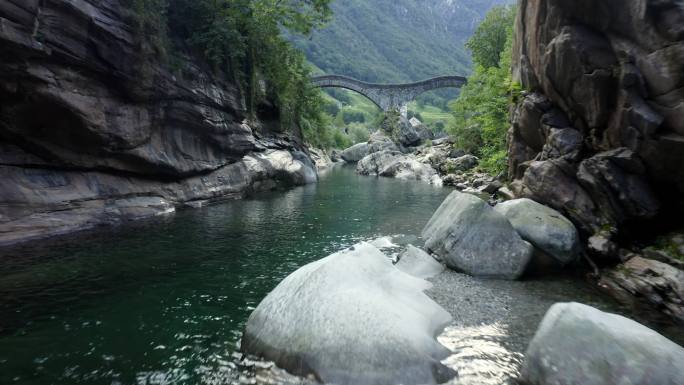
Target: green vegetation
244, 40
392, 41
433, 117
481, 111
670, 245
397, 41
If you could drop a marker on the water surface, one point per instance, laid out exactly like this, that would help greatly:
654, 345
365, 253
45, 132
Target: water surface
164, 301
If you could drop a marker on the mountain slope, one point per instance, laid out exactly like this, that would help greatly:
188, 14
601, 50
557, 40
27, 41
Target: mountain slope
396, 40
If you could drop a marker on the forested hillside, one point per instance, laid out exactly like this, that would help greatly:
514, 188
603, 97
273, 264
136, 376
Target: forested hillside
396, 40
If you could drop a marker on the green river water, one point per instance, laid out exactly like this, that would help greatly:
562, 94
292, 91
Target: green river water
164, 301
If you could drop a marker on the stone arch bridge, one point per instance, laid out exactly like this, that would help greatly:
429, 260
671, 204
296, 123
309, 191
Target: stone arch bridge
389, 96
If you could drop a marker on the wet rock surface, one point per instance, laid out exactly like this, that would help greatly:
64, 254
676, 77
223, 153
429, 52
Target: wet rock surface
351, 318
578, 344
94, 129
473, 238
647, 285
544, 228
418, 263
494, 320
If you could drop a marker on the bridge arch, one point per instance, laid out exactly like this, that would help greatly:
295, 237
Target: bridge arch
389, 96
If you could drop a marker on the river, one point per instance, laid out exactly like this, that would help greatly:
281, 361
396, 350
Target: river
164, 301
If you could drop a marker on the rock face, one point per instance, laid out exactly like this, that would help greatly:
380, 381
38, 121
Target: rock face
647, 284
94, 128
599, 135
351, 318
577, 344
418, 263
543, 227
471, 237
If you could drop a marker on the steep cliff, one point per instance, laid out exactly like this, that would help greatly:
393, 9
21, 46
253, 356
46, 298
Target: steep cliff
599, 131
95, 129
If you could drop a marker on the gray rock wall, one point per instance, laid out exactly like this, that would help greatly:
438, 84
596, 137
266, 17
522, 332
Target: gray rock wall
598, 134
91, 116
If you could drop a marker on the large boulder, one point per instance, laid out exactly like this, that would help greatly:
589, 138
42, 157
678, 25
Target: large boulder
396, 165
418, 263
376, 162
577, 344
544, 227
410, 169
351, 318
412, 135
462, 163
471, 237
355, 153
379, 141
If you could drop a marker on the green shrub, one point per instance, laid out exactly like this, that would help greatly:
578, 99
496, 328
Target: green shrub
353, 117
481, 110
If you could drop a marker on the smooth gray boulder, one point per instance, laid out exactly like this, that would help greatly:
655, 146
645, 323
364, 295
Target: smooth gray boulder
355, 153
375, 163
577, 344
463, 163
473, 238
545, 228
396, 165
410, 169
351, 318
418, 263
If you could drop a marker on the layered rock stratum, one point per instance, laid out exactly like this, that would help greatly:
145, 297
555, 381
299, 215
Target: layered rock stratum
95, 128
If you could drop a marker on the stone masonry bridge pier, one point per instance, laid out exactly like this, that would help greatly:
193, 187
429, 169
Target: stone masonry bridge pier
389, 96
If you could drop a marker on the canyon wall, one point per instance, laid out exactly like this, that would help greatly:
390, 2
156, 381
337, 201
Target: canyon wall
95, 129
598, 132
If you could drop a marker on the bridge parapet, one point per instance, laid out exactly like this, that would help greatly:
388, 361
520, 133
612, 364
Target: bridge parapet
389, 96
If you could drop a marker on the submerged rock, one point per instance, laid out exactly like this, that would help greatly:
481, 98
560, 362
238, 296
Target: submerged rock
351, 318
475, 239
418, 263
577, 344
544, 227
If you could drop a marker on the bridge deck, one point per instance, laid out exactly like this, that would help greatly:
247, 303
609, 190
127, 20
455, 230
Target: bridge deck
389, 96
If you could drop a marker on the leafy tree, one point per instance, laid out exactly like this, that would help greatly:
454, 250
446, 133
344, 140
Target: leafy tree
490, 37
481, 110
244, 38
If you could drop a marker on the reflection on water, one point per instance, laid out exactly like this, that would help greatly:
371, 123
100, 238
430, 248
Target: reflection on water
480, 358
165, 301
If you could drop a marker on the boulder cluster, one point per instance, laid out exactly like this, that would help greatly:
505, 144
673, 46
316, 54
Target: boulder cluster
355, 318
501, 241
433, 161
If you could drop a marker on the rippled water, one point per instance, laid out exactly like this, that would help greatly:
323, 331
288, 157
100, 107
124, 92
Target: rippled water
164, 302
